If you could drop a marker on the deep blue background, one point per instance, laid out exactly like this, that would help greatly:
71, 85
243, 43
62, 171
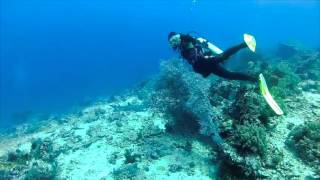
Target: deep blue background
57, 53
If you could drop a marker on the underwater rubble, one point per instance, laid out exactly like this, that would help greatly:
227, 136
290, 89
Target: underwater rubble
178, 125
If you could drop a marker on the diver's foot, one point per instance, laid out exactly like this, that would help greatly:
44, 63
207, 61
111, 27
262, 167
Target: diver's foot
250, 41
268, 97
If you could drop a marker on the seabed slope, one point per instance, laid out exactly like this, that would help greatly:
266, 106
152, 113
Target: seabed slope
125, 137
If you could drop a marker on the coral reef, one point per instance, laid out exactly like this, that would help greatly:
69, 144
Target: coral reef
179, 125
236, 116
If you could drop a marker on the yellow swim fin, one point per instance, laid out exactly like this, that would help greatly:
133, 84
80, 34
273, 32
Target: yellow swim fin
250, 41
266, 94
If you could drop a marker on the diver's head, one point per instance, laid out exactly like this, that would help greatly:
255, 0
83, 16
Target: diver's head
174, 40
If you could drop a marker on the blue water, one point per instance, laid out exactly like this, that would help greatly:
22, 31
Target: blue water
58, 54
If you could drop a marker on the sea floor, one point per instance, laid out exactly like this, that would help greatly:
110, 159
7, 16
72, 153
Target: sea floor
105, 143
180, 126
109, 140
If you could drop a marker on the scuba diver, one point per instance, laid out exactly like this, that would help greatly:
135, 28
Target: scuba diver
206, 58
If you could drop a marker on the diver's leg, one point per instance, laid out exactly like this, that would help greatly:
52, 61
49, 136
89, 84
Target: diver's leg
229, 52
222, 72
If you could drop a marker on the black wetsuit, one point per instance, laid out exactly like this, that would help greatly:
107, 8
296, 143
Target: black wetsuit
195, 55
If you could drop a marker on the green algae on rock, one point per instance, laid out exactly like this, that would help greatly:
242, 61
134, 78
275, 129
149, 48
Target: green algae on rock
305, 141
